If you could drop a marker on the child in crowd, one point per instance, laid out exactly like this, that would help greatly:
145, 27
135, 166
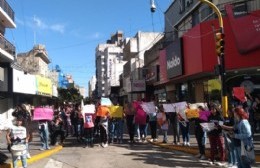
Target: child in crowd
89, 129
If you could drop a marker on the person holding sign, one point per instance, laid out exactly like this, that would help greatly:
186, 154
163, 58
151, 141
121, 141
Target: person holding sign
17, 136
216, 138
184, 126
163, 122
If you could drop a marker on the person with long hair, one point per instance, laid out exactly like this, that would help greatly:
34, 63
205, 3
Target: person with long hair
216, 138
242, 132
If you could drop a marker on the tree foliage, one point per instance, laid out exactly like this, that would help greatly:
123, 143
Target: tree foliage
69, 95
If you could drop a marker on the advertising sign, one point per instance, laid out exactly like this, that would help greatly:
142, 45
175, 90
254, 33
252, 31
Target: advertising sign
174, 59
138, 86
23, 83
43, 86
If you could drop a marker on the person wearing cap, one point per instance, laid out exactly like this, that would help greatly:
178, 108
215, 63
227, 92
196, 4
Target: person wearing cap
15, 136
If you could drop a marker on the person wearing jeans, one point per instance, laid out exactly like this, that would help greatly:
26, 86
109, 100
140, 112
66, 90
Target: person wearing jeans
185, 130
44, 134
17, 136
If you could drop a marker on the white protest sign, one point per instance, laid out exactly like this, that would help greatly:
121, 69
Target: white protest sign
89, 108
208, 126
169, 108
148, 107
180, 108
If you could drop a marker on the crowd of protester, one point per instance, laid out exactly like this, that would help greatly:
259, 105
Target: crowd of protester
99, 127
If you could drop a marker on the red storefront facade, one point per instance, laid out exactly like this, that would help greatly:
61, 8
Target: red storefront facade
198, 57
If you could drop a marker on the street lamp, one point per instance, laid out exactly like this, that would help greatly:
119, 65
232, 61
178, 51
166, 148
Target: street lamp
221, 59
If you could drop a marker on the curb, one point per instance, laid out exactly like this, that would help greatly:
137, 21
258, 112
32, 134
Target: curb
35, 158
190, 150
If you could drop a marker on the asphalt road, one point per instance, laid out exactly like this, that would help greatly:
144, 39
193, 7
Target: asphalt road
141, 155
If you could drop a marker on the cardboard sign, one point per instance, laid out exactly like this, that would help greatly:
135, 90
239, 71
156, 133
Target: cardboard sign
116, 111
207, 126
43, 113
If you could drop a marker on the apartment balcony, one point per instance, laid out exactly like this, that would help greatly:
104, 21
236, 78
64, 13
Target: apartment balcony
7, 50
6, 14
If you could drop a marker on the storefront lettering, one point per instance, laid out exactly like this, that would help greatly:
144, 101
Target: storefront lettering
175, 61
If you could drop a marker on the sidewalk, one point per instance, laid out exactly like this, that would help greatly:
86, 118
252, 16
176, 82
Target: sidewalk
193, 148
34, 147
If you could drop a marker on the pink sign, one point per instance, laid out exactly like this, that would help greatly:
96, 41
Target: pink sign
43, 113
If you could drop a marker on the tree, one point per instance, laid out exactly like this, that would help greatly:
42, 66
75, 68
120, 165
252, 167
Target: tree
69, 95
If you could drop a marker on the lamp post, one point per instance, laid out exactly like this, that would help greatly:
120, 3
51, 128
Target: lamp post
221, 59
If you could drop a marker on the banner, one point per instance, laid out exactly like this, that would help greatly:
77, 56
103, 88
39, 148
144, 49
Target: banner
169, 108
148, 107
116, 111
43, 113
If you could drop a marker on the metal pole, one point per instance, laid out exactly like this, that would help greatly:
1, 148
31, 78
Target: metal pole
222, 61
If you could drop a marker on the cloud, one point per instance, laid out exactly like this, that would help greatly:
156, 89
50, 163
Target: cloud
38, 24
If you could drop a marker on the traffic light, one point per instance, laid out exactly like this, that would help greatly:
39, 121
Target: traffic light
220, 44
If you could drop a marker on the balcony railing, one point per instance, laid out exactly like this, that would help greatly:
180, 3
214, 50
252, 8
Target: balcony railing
7, 8
7, 46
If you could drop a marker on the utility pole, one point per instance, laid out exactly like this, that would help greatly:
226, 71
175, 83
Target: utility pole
221, 56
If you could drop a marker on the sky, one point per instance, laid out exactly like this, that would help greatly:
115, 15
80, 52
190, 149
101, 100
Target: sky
72, 29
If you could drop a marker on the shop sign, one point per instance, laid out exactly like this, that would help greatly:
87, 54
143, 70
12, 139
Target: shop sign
174, 59
151, 74
138, 86
23, 83
43, 85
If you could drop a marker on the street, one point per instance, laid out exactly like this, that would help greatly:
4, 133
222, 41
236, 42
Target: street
119, 155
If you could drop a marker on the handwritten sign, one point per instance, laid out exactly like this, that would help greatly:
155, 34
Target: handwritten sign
43, 113
207, 126
116, 111
192, 113
148, 107
239, 93
89, 108
169, 108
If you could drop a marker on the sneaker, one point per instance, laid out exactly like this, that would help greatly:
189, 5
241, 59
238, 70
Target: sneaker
211, 163
155, 140
187, 144
184, 144
202, 157
42, 149
28, 156
220, 164
48, 148
104, 145
178, 143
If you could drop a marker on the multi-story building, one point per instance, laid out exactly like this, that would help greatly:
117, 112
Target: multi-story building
134, 49
7, 56
109, 65
92, 87
35, 61
190, 51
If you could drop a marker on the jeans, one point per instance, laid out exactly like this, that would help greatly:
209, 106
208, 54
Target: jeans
112, 129
176, 129
120, 130
130, 126
185, 132
44, 135
201, 139
143, 131
240, 162
153, 127
165, 135
23, 159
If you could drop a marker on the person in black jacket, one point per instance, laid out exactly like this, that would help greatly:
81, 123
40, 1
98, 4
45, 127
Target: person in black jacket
57, 129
